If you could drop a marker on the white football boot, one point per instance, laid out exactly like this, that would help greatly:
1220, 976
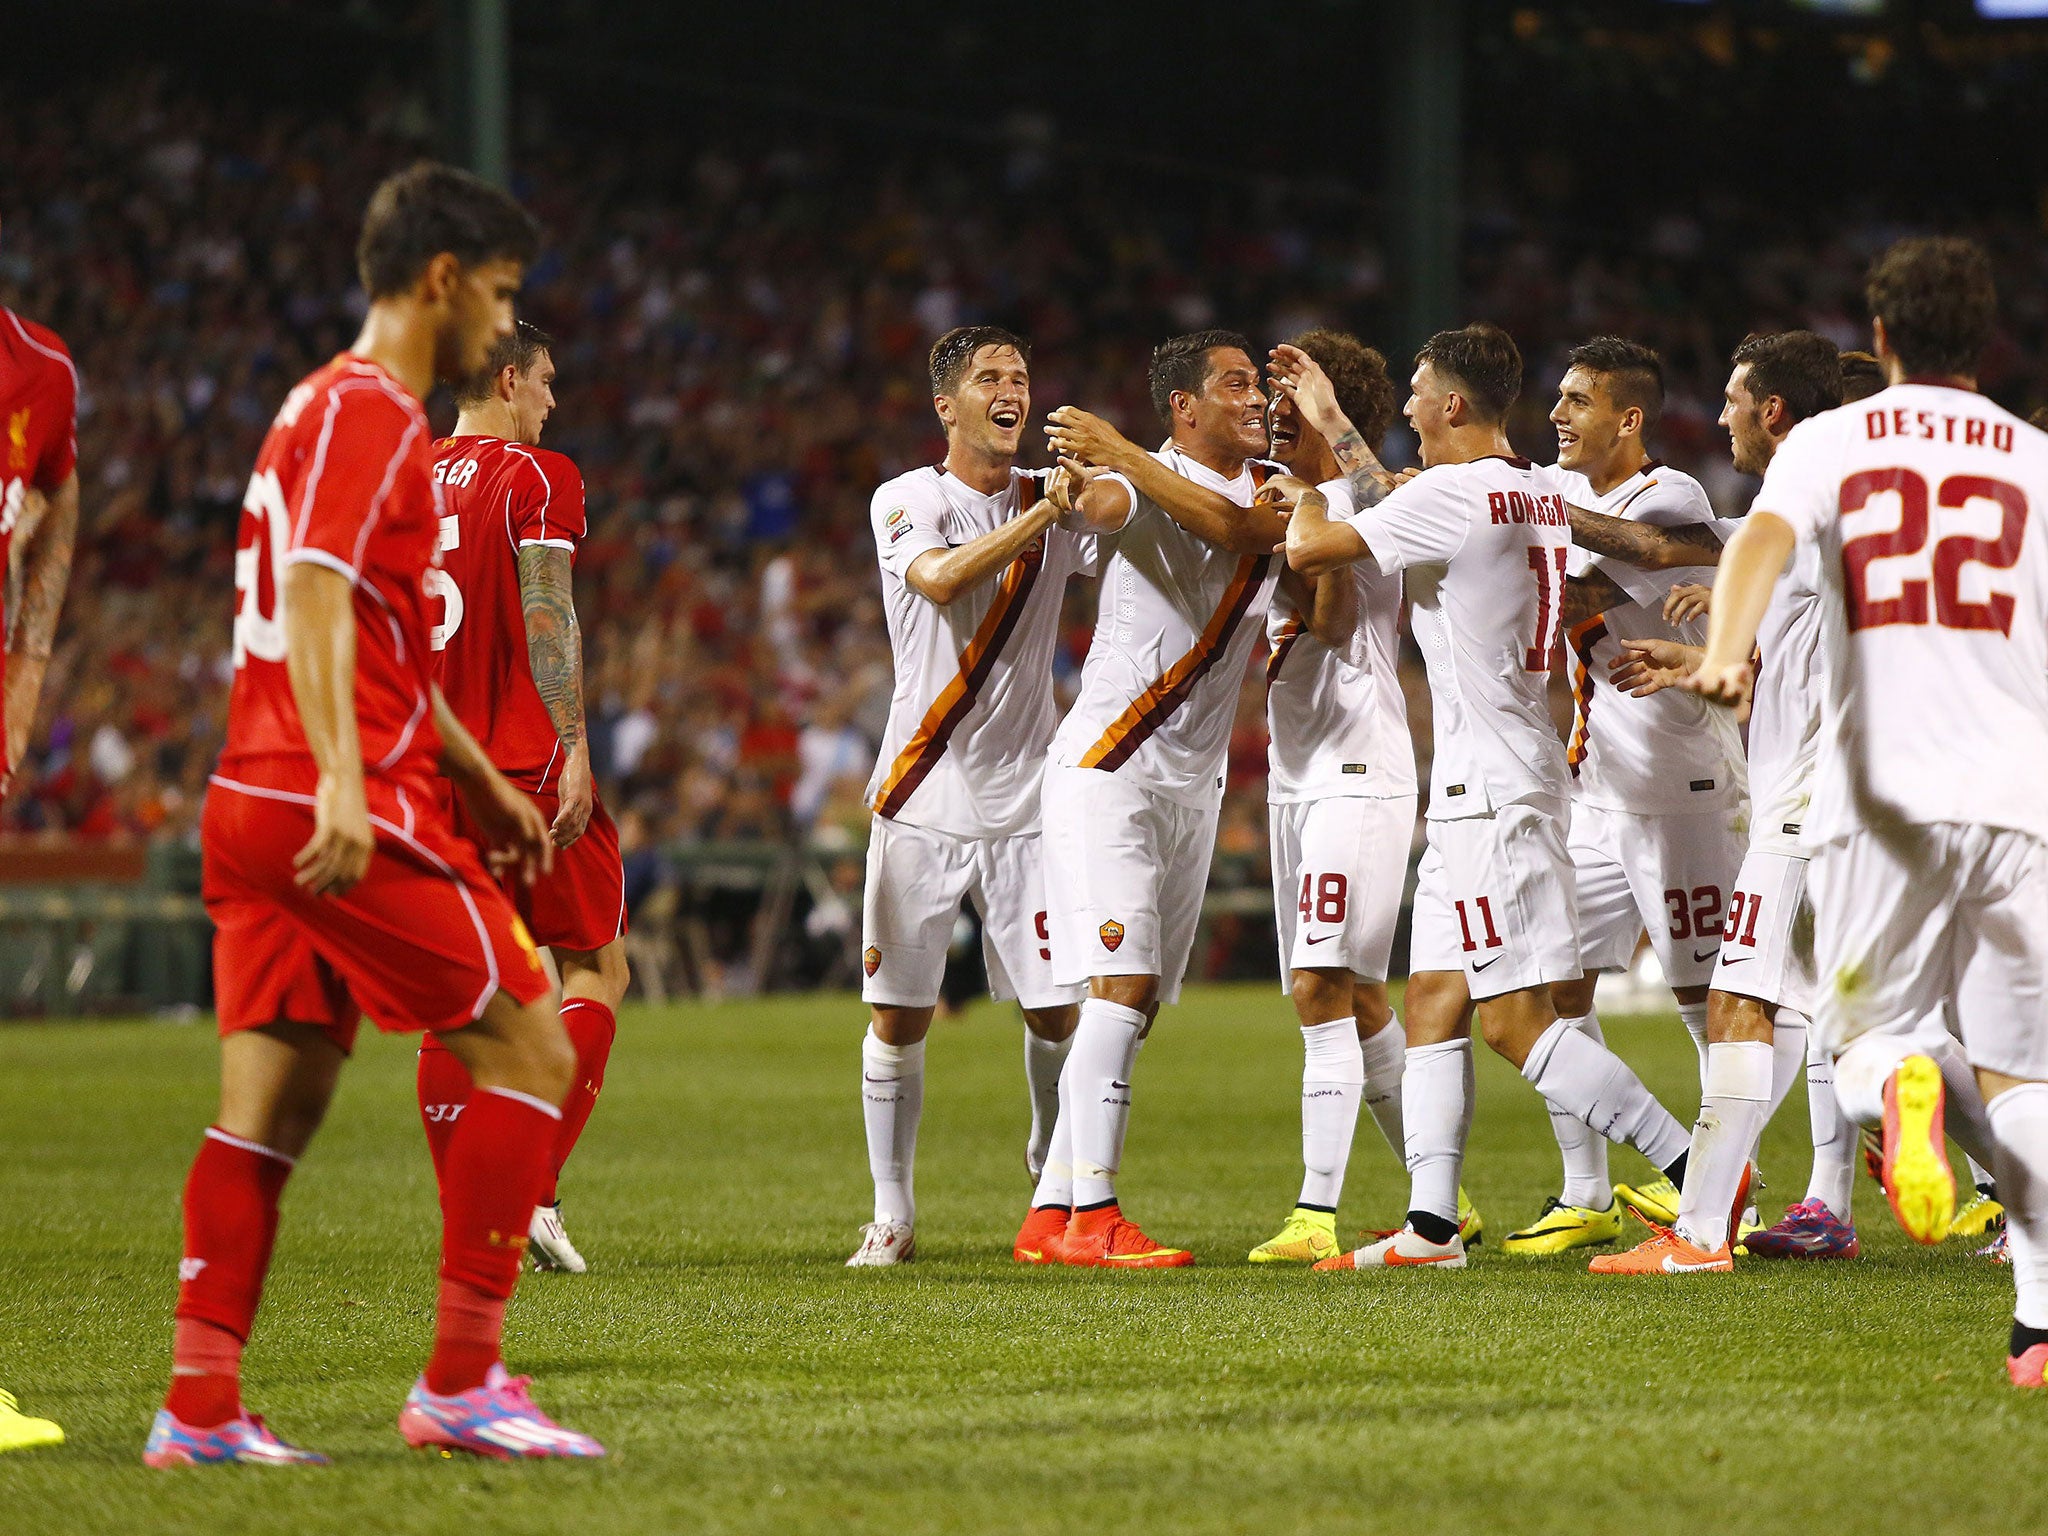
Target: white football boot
1404, 1249
884, 1242
548, 1241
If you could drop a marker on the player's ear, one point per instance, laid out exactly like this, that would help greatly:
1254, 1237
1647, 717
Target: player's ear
942, 405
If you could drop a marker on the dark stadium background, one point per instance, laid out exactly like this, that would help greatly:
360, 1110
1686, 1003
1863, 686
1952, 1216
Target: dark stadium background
759, 217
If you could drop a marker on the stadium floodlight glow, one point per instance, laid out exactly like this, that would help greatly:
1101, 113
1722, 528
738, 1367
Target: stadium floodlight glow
1842, 7
2011, 10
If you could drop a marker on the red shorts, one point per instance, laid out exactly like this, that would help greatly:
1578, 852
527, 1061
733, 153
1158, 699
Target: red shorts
581, 903
423, 941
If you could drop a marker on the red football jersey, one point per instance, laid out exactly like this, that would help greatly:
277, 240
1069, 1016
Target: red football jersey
498, 497
345, 480
38, 426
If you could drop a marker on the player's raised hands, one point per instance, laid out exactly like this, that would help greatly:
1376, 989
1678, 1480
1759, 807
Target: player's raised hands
337, 855
1645, 667
1687, 600
1301, 378
1086, 438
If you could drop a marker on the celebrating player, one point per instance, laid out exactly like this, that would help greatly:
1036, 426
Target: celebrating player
38, 506
510, 663
1930, 878
974, 569
1657, 782
1136, 776
335, 879
1484, 533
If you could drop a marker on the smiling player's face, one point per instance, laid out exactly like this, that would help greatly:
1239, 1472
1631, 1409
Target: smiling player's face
988, 409
1230, 412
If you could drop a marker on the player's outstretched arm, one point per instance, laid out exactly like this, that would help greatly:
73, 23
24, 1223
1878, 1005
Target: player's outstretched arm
554, 652
320, 661
1316, 546
1084, 438
42, 572
1645, 667
944, 575
1644, 545
515, 833
1749, 572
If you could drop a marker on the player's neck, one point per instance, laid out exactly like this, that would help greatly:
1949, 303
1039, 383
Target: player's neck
1317, 465
1468, 445
1228, 463
978, 470
398, 338
1625, 462
490, 418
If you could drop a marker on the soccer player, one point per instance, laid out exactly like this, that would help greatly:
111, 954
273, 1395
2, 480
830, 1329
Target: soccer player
38, 507
974, 571
1137, 768
1483, 534
1657, 782
1762, 998
336, 880
509, 659
1930, 875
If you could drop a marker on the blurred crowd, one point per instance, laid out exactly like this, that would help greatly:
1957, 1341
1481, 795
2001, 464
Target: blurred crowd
742, 334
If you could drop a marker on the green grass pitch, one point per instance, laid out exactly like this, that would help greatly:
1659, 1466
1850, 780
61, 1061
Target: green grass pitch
745, 1381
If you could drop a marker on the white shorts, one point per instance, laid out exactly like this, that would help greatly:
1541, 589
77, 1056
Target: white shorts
1338, 868
1493, 898
1125, 874
1767, 946
1667, 874
1944, 913
916, 880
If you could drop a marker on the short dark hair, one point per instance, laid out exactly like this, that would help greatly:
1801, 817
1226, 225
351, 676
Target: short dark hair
1862, 377
429, 208
1180, 365
1937, 301
1483, 363
1634, 373
1800, 368
518, 351
952, 352
1358, 373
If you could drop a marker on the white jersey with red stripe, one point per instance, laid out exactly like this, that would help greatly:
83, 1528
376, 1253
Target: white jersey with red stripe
1484, 545
973, 706
1921, 503
1671, 753
1785, 710
1336, 716
1175, 622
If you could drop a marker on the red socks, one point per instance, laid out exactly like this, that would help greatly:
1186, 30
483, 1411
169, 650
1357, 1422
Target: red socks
230, 1225
444, 1088
592, 1027
496, 1165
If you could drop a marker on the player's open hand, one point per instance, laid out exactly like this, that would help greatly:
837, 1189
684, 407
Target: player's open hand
337, 855
1283, 493
576, 798
1687, 600
1301, 378
1645, 667
1086, 438
516, 836
1726, 685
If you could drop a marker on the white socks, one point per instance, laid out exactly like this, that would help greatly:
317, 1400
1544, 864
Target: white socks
1788, 1056
1043, 1060
892, 1102
1436, 1112
2019, 1120
1833, 1181
1095, 1096
1586, 1180
1332, 1083
1386, 1065
1732, 1113
1586, 1079
1694, 1017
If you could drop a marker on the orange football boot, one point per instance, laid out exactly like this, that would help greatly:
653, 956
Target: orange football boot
1664, 1252
1042, 1238
1103, 1239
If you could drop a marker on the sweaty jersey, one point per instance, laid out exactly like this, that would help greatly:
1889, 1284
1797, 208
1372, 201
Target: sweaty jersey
973, 709
38, 430
1484, 545
343, 480
1785, 710
1922, 505
497, 498
1336, 718
1673, 751
1175, 621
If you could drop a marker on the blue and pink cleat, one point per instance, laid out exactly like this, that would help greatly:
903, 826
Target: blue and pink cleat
1809, 1230
247, 1439
496, 1419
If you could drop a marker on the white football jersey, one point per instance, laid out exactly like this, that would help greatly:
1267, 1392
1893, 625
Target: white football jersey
1672, 752
973, 707
1175, 621
1785, 711
1484, 545
1336, 719
1920, 503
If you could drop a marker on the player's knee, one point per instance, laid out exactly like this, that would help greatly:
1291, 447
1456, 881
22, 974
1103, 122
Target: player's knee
546, 1057
1137, 992
1052, 1023
1370, 1007
1321, 996
1573, 999
598, 973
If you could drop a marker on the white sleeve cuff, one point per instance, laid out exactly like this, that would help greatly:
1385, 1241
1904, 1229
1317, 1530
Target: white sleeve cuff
568, 544
322, 557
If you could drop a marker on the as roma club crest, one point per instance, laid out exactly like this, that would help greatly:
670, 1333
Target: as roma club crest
871, 960
1112, 935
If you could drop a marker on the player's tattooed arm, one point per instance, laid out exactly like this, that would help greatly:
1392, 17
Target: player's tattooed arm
554, 653
1589, 596
944, 575
1301, 379
1644, 545
42, 571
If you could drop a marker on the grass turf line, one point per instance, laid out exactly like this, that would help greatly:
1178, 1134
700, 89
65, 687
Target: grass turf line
747, 1382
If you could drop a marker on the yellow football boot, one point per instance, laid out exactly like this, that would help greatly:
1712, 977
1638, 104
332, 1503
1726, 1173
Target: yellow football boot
1309, 1237
1558, 1228
1655, 1200
1978, 1218
1471, 1225
19, 1432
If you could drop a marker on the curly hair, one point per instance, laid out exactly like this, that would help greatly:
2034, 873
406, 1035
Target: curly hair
1180, 365
1936, 299
1359, 375
1484, 364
